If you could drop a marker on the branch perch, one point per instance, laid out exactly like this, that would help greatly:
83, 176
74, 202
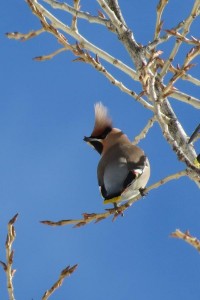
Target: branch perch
97, 217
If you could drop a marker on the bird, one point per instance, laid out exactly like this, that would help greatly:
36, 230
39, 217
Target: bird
123, 169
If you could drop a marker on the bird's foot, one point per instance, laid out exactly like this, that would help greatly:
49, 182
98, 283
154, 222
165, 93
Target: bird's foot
143, 192
118, 212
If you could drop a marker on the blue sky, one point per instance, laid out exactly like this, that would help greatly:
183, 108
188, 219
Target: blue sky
48, 172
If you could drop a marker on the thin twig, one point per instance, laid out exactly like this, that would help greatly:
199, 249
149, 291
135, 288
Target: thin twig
74, 19
78, 13
39, 9
160, 63
160, 8
144, 132
159, 40
192, 41
98, 66
9, 257
51, 55
24, 36
86, 57
65, 273
181, 71
176, 94
193, 14
187, 237
96, 217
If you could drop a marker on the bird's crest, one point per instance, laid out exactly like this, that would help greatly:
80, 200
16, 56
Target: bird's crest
102, 120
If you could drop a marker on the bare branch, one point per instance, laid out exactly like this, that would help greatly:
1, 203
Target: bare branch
175, 142
159, 40
49, 56
187, 65
186, 28
187, 237
74, 19
191, 79
79, 14
144, 132
24, 36
39, 11
114, 6
9, 257
64, 274
160, 8
172, 130
97, 217
98, 66
160, 63
186, 98
116, 22
178, 35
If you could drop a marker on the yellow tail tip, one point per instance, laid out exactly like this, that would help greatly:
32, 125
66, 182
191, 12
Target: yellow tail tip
112, 200
197, 163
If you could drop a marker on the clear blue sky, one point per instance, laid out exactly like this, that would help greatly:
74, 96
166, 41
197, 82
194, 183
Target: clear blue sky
48, 172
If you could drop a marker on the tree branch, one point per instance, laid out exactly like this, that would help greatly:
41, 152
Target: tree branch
9, 257
79, 14
114, 6
64, 274
39, 11
97, 217
186, 98
187, 237
145, 130
186, 27
160, 8
51, 55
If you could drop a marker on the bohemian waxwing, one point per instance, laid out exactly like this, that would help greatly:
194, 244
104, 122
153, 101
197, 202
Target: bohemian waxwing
123, 170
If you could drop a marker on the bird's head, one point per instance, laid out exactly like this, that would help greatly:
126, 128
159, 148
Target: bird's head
102, 127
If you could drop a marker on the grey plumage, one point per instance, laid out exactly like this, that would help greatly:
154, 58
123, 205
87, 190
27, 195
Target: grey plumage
123, 170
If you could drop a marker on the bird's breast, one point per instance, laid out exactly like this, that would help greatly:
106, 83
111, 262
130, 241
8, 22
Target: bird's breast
114, 173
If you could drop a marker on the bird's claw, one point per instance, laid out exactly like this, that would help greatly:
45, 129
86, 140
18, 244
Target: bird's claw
143, 192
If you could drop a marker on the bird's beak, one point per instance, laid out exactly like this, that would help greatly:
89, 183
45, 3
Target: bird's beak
91, 139
87, 139
94, 143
